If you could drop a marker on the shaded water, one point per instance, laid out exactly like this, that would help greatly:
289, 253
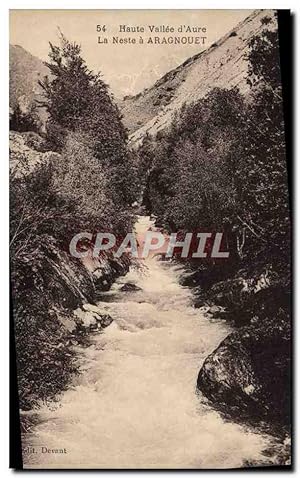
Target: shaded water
135, 403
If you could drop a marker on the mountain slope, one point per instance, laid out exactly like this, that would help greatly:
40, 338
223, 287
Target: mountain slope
24, 72
222, 65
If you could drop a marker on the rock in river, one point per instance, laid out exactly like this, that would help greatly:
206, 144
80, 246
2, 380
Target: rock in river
247, 376
130, 287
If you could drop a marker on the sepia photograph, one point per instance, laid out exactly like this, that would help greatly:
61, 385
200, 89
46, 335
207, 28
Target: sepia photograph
150, 239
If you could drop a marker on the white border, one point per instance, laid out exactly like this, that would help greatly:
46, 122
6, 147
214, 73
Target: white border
112, 4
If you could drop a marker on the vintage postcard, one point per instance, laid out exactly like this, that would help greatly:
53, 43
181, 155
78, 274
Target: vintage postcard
150, 239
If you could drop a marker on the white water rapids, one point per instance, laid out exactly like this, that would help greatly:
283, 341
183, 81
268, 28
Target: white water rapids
135, 404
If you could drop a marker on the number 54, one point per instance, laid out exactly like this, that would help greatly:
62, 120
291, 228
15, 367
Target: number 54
101, 28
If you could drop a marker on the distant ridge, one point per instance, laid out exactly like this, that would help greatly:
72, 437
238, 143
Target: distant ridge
24, 72
222, 65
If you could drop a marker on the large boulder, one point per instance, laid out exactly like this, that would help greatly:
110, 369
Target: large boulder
248, 375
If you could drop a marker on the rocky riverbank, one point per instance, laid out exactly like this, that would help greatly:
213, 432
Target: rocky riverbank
65, 300
248, 376
53, 294
140, 373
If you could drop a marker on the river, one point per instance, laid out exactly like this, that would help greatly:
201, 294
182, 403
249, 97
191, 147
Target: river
135, 404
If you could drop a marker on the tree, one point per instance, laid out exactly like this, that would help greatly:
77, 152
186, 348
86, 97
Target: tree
191, 179
78, 100
262, 172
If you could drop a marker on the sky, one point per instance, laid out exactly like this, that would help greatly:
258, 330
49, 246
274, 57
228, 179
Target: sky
127, 68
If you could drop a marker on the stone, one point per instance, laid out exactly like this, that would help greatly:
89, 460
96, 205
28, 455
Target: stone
130, 287
248, 375
214, 309
106, 320
86, 318
94, 308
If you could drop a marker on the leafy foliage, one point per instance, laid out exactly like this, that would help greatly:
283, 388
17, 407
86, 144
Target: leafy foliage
78, 100
264, 194
88, 186
222, 164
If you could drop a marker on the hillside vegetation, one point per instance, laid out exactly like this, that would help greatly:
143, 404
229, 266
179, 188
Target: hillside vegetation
79, 176
221, 166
